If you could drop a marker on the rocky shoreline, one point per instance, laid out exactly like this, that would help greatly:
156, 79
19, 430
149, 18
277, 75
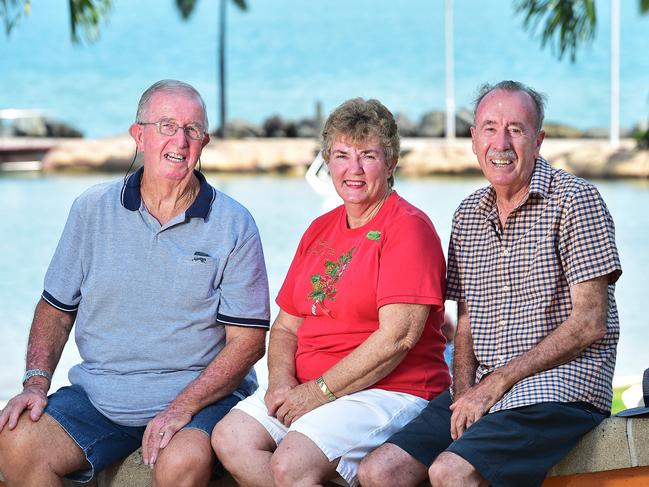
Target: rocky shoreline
592, 158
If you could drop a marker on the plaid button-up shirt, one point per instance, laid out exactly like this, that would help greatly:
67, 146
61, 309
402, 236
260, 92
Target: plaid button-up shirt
516, 282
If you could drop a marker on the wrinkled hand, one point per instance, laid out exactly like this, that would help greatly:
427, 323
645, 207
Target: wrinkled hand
33, 398
160, 430
277, 392
299, 401
472, 405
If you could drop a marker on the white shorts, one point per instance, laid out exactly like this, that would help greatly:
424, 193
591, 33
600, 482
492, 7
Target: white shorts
348, 428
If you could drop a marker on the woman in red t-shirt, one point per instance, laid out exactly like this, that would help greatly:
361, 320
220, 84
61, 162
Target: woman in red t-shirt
356, 350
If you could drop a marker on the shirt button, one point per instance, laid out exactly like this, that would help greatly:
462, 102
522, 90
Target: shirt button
502, 323
501, 358
505, 288
505, 252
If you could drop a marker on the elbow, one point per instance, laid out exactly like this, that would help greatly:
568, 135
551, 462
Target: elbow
595, 332
258, 351
405, 344
599, 332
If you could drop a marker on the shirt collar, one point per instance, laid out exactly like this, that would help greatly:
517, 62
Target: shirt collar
131, 198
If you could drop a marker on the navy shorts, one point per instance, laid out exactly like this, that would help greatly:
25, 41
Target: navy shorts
511, 447
104, 442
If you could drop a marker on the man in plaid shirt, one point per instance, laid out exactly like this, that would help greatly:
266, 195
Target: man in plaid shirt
533, 265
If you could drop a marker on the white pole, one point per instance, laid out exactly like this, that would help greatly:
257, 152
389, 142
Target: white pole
450, 88
614, 131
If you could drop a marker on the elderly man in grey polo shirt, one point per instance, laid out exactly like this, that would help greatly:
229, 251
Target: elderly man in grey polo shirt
164, 277
532, 263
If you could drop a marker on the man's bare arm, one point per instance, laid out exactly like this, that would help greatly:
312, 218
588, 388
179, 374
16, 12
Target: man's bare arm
585, 325
49, 333
464, 361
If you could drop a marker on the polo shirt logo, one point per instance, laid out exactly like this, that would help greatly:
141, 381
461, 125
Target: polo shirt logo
200, 257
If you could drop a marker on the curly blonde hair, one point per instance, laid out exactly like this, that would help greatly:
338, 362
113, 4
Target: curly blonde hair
358, 120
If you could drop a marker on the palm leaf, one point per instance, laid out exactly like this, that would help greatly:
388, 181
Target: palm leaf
87, 14
186, 8
564, 24
11, 11
644, 6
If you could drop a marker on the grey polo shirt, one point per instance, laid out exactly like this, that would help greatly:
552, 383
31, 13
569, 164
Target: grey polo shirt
152, 300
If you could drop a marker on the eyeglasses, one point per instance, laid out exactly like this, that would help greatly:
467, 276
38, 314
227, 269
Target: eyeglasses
166, 127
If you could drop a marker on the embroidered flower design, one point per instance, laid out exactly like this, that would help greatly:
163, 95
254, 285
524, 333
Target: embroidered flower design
373, 235
323, 285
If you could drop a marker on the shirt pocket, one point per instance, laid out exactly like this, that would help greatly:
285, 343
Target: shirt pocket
195, 277
541, 266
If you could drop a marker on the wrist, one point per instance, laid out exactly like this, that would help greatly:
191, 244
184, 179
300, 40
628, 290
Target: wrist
324, 389
37, 383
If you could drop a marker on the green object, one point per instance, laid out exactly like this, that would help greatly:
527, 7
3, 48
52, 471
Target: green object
373, 235
618, 405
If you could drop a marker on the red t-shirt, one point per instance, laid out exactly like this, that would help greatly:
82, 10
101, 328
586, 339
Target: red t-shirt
340, 277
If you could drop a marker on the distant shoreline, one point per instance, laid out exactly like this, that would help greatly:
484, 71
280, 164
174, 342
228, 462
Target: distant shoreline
590, 158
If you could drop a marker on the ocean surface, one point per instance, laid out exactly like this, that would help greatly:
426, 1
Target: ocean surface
33, 210
284, 55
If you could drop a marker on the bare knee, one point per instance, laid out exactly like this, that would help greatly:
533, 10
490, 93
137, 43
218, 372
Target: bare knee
38, 450
451, 469
390, 462
373, 470
222, 439
438, 473
284, 469
189, 463
226, 442
18, 453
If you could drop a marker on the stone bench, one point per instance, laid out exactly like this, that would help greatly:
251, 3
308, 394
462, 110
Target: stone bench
614, 453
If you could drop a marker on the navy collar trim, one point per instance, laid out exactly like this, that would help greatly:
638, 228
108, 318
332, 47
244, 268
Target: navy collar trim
131, 198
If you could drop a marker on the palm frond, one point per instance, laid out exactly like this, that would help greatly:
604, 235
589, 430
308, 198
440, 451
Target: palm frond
564, 24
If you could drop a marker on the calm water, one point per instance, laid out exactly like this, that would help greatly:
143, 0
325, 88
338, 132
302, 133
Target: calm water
286, 54
33, 210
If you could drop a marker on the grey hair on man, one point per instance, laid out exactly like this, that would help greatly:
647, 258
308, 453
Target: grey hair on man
509, 85
168, 86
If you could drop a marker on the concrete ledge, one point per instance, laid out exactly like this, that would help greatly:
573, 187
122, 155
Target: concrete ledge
617, 443
618, 449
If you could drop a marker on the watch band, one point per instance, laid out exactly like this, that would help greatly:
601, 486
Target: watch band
36, 373
325, 390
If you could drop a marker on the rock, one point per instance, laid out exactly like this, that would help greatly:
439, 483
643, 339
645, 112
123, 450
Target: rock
432, 125
463, 122
561, 131
239, 129
595, 133
307, 128
274, 126
61, 129
407, 128
30, 127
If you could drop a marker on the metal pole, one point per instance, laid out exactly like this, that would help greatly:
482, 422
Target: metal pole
614, 130
222, 80
450, 84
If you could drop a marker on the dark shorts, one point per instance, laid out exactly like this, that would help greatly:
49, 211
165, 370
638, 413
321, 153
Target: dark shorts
511, 447
104, 442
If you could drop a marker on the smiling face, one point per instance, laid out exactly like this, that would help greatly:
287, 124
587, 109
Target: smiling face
506, 141
170, 157
359, 171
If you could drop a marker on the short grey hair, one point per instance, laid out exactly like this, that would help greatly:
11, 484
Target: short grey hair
167, 86
509, 85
